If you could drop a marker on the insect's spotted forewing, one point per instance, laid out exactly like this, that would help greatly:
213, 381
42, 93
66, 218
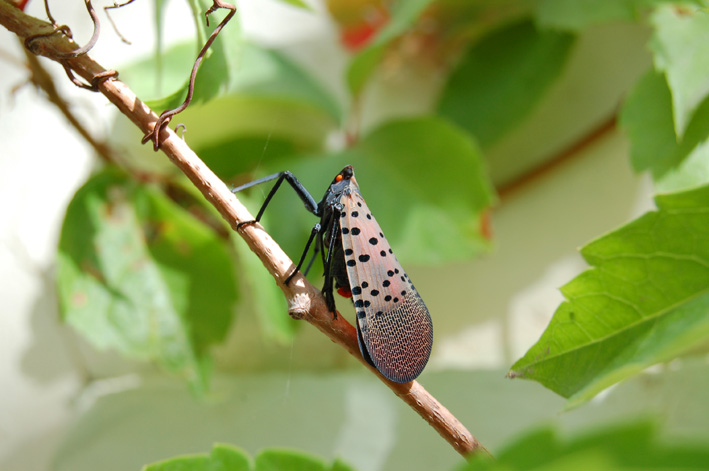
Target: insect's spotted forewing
393, 324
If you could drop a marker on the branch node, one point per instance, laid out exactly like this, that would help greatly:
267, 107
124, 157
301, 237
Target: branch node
31, 41
299, 306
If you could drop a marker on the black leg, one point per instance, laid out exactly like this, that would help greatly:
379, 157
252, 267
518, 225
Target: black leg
307, 199
313, 233
327, 289
317, 250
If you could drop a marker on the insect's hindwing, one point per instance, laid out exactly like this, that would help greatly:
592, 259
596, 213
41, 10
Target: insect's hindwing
393, 323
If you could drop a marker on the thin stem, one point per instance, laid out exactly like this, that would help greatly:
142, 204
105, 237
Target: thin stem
115, 27
505, 190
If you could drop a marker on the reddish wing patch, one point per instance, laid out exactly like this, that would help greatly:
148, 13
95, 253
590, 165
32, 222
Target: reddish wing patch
393, 323
344, 292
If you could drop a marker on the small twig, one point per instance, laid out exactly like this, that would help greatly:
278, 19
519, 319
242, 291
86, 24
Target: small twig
304, 299
49, 14
575, 149
65, 29
166, 116
108, 15
62, 56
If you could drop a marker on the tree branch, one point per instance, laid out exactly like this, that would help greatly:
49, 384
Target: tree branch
305, 301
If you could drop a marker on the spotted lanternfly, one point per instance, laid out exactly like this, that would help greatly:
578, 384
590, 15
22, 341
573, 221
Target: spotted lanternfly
394, 327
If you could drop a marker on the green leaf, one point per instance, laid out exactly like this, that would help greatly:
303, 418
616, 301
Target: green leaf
645, 301
181, 463
298, 4
647, 119
680, 46
233, 134
223, 60
339, 465
292, 460
576, 15
162, 80
623, 447
692, 172
431, 209
161, 84
273, 109
222, 458
138, 274
270, 110
500, 79
269, 73
229, 458
403, 16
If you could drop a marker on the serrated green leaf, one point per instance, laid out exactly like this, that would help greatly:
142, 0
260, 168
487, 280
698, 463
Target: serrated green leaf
292, 460
499, 80
645, 301
138, 274
680, 46
403, 15
621, 447
647, 119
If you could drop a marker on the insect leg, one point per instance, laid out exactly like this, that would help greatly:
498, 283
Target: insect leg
327, 289
316, 251
313, 233
307, 199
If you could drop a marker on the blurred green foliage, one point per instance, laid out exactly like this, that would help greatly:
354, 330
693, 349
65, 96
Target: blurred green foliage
149, 275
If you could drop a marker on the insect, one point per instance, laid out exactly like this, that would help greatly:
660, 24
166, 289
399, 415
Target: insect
394, 326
